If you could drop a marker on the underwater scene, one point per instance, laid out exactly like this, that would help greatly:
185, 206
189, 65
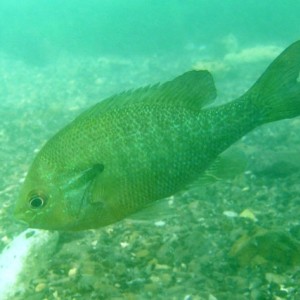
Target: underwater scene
183, 184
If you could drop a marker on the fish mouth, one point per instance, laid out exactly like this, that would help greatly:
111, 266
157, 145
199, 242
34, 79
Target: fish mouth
22, 222
25, 219
19, 216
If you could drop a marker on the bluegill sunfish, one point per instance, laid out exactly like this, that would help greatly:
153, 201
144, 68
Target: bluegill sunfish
140, 146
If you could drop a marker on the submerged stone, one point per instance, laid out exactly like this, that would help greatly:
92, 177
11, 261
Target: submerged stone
263, 246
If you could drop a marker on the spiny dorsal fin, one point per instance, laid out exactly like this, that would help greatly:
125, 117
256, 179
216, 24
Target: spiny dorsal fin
193, 90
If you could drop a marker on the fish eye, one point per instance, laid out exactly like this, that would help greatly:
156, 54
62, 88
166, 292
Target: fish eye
37, 201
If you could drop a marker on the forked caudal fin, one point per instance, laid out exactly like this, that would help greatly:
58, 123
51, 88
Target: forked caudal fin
277, 92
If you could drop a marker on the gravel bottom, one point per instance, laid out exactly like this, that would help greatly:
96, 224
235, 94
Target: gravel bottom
237, 239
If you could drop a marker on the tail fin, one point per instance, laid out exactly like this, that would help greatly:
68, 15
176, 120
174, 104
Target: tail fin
277, 92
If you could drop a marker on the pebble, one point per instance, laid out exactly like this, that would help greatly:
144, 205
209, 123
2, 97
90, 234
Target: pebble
230, 214
166, 278
142, 253
160, 223
94, 243
124, 244
40, 287
248, 214
154, 278
161, 267
275, 278
73, 272
55, 295
5, 239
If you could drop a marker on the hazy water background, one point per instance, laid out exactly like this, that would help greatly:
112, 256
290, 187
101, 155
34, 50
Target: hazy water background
59, 57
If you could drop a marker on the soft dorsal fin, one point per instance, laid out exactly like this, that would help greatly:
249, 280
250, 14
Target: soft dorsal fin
193, 90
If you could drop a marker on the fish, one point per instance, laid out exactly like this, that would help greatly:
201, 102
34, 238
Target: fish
137, 147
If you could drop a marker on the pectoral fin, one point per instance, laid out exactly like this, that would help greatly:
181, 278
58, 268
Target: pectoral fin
79, 188
92, 177
227, 166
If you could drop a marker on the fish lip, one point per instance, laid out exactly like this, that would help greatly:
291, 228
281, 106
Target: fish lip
23, 223
19, 218
26, 218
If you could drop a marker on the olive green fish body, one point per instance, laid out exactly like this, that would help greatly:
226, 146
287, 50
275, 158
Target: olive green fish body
141, 146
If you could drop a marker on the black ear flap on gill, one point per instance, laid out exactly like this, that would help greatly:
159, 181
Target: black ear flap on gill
91, 177
93, 172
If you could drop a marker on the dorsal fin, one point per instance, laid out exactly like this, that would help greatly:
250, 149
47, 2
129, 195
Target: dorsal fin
193, 90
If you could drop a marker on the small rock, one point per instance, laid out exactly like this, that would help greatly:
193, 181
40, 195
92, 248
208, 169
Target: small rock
247, 213
160, 223
40, 287
142, 253
161, 267
124, 244
166, 278
212, 297
230, 214
72, 272
5, 239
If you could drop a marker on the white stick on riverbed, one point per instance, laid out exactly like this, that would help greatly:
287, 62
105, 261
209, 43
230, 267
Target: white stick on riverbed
23, 258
